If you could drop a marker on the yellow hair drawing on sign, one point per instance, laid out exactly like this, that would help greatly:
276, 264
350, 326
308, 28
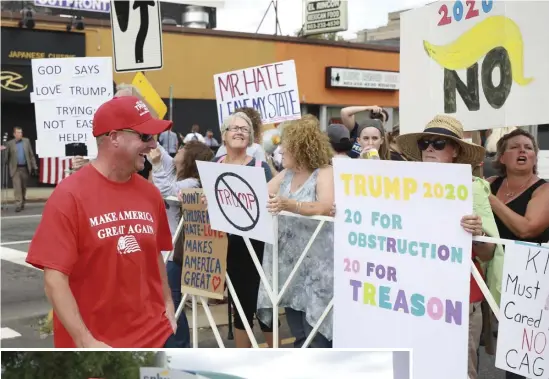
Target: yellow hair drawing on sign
467, 49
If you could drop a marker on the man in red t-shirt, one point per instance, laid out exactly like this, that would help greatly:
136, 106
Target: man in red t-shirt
101, 237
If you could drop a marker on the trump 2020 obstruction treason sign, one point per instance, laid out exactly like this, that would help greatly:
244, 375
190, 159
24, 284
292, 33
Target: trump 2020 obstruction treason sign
403, 262
237, 199
270, 88
482, 62
523, 331
67, 92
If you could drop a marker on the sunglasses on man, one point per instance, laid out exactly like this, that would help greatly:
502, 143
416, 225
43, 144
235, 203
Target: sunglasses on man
143, 137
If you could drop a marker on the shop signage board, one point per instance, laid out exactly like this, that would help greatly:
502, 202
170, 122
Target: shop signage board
324, 16
341, 77
136, 35
102, 6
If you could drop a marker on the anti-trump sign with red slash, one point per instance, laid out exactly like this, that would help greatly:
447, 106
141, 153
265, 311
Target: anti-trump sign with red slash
271, 89
237, 200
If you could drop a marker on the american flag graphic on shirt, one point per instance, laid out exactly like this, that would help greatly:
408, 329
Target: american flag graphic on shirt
127, 245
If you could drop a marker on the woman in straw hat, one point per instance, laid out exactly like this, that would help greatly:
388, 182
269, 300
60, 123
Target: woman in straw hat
442, 142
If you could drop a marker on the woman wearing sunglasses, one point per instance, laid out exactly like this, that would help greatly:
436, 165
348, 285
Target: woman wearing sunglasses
442, 142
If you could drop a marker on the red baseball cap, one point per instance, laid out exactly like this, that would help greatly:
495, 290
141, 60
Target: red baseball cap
127, 112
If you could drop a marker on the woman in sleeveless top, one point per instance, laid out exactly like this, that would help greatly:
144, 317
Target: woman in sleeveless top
304, 187
237, 135
519, 199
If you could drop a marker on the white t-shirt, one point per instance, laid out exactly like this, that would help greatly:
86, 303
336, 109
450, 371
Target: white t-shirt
256, 151
194, 137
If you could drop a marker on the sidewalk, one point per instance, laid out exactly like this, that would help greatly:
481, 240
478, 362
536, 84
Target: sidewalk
34, 195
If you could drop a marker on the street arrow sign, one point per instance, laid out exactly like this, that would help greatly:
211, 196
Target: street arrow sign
136, 35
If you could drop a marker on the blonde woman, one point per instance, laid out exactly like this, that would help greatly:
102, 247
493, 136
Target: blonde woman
237, 134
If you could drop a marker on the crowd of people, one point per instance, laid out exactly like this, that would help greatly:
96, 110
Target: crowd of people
104, 294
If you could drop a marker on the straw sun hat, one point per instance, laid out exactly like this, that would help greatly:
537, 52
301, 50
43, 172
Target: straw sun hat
446, 127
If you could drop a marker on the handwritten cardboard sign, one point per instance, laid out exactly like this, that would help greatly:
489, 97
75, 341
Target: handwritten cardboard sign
204, 250
67, 92
271, 89
524, 311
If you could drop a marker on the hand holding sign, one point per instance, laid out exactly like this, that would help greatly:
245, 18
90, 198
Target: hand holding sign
237, 199
277, 204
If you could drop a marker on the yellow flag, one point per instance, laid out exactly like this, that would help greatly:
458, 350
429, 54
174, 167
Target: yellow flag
150, 95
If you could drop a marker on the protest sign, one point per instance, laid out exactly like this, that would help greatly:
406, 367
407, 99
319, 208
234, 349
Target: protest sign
204, 249
237, 199
271, 89
481, 62
67, 92
402, 261
150, 95
523, 330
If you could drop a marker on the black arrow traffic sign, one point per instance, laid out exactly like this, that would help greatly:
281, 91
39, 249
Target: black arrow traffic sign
143, 28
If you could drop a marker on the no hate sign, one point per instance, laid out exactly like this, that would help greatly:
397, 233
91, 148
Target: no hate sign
271, 89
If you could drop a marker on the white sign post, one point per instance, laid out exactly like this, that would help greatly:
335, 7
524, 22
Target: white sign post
67, 92
271, 89
324, 16
403, 262
136, 35
479, 61
523, 335
237, 200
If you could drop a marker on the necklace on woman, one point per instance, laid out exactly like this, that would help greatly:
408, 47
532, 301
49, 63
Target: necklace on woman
241, 162
510, 194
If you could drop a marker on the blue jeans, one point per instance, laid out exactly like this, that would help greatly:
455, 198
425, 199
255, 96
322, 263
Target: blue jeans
183, 335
